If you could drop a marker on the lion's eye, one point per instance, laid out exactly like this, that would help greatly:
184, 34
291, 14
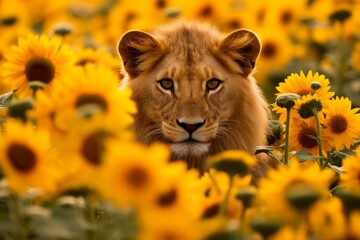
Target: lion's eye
213, 84
166, 83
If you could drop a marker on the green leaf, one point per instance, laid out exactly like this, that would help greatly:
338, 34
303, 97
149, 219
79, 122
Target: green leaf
304, 155
6, 99
341, 155
265, 149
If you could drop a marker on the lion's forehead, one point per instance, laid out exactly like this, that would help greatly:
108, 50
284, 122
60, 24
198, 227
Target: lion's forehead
181, 69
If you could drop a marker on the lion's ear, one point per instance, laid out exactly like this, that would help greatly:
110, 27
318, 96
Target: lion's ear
137, 50
243, 46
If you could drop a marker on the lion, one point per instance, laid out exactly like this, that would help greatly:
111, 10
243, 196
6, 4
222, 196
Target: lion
194, 90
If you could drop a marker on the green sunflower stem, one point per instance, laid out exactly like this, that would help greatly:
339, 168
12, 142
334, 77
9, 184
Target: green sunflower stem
16, 215
224, 205
318, 137
287, 136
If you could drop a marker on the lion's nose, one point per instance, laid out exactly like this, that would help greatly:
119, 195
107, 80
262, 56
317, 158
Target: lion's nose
190, 127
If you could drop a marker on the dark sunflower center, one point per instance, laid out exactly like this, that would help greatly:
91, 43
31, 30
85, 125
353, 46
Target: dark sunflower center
83, 62
206, 12
211, 211
286, 17
169, 236
269, 50
137, 177
338, 124
161, 4
10, 21
95, 99
40, 69
303, 92
21, 157
167, 199
234, 24
304, 137
92, 149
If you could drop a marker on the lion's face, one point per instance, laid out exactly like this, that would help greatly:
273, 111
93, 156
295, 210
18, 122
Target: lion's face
188, 87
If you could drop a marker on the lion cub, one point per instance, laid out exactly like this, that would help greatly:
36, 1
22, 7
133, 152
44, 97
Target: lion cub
194, 89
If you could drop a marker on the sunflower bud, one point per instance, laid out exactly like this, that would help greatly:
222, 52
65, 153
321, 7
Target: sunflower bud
232, 167
246, 195
233, 162
8, 21
36, 85
63, 29
287, 100
350, 199
223, 235
265, 226
306, 110
301, 196
340, 15
19, 108
172, 13
315, 85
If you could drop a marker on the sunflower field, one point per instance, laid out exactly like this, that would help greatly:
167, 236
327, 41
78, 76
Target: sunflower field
71, 170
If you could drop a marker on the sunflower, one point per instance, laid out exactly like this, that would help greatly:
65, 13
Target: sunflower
169, 226
353, 231
36, 59
95, 91
303, 137
343, 122
83, 147
326, 215
301, 85
284, 14
183, 195
136, 172
98, 56
350, 178
26, 158
233, 162
306, 106
282, 190
216, 184
276, 51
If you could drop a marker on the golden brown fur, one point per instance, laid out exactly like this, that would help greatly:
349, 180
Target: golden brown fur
233, 116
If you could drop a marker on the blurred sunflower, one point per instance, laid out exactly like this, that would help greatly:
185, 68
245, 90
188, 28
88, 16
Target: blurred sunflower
26, 158
343, 122
290, 188
303, 137
82, 149
95, 91
353, 231
36, 59
44, 113
99, 56
306, 106
285, 14
326, 215
276, 51
301, 85
350, 177
204, 9
136, 172
233, 162
216, 184
183, 195
169, 226
14, 20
